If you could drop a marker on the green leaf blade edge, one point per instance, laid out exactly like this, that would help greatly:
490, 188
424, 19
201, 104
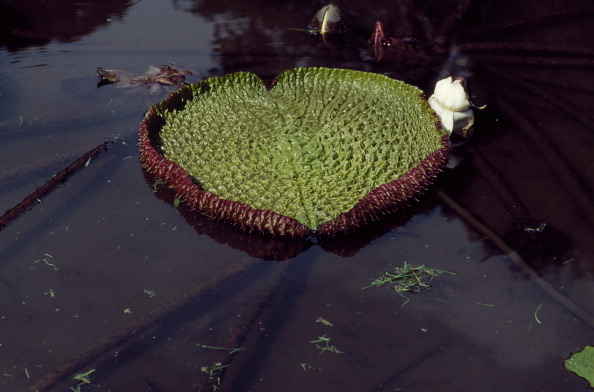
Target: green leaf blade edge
582, 364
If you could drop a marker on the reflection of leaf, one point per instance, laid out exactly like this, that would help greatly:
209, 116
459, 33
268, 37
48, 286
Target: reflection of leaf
531, 155
582, 364
318, 144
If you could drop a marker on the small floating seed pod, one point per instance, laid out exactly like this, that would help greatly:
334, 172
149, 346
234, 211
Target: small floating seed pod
328, 20
323, 152
452, 104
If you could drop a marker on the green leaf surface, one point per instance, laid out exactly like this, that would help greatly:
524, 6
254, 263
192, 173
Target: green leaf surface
309, 148
582, 364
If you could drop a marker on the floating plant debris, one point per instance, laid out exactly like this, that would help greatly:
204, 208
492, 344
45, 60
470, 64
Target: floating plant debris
323, 344
409, 277
323, 151
166, 75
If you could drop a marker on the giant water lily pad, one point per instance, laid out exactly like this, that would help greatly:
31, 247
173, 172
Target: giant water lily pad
322, 151
582, 364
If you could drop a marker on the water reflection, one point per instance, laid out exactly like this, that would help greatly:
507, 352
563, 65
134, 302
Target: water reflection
530, 167
275, 248
113, 239
536, 87
28, 23
256, 34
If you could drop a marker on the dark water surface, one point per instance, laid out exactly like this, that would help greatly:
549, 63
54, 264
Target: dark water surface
107, 250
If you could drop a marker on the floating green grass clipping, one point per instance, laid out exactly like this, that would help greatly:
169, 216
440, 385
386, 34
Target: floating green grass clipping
408, 278
307, 155
582, 364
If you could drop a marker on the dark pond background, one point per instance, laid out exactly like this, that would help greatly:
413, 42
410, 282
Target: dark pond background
108, 250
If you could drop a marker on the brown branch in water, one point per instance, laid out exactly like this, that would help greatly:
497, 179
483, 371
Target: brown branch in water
518, 261
127, 332
51, 184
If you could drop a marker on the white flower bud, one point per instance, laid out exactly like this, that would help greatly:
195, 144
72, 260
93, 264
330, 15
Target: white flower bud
451, 103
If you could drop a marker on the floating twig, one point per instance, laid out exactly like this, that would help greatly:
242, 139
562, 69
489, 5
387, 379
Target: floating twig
52, 183
536, 313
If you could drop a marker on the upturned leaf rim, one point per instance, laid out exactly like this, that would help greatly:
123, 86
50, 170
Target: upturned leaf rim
388, 197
